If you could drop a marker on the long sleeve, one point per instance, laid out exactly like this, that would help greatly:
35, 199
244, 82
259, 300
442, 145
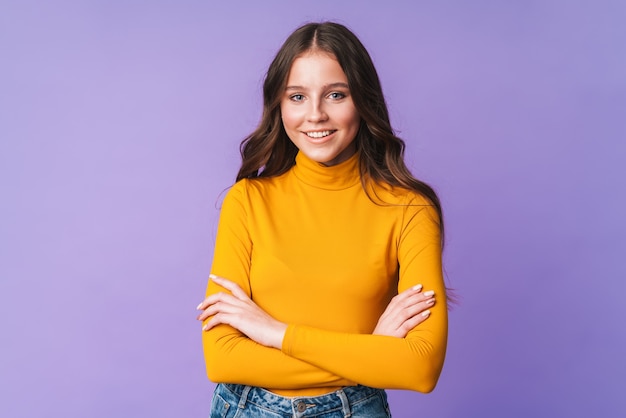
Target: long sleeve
314, 251
413, 362
230, 356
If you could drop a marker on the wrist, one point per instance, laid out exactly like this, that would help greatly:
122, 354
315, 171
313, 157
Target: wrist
278, 335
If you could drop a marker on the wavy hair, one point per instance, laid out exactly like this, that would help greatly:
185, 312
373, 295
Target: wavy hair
268, 151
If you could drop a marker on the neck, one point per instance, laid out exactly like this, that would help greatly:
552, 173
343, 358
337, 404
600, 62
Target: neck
336, 177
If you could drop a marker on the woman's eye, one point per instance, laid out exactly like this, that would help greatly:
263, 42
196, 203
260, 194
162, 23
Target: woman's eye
297, 97
336, 95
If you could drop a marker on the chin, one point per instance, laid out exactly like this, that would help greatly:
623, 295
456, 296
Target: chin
322, 159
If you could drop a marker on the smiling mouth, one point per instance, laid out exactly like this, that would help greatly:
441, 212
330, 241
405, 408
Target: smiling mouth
319, 134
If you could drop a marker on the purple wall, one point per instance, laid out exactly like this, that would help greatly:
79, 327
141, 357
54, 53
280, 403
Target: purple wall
119, 128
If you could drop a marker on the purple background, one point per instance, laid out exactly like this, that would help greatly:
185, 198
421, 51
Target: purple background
119, 129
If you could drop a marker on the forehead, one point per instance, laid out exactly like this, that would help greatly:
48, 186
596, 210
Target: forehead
315, 67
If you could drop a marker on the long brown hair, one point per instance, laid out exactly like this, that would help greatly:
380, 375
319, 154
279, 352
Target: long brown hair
268, 151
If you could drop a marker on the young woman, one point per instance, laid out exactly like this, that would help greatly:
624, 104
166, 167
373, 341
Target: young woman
327, 260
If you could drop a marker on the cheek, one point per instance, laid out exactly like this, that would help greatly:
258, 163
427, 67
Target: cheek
291, 118
350, 119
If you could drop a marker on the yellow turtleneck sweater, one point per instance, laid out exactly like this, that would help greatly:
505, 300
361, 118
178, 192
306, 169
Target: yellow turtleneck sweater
315, 252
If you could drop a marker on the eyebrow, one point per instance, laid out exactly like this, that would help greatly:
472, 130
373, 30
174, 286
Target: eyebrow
326, 87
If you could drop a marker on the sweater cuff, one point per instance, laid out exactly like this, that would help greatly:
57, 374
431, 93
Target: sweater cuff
288, 339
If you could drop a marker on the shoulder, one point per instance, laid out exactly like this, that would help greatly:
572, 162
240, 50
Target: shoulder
411, 205
383, 193
255, 188
237, 191
240, 199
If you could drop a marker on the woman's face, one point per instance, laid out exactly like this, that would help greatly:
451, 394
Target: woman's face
317, 109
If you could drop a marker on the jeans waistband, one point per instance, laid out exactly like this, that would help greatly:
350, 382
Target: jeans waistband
342, 399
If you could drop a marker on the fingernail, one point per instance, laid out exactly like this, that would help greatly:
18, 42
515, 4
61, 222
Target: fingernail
199, 305
430, 302
426, 313
417, 287
212, 276
429, 293
205, 328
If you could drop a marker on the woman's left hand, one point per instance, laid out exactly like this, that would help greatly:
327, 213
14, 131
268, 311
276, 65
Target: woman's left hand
240, 312
405, 311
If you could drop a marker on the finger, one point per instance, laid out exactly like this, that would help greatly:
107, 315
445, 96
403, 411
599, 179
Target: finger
211, 299
202, 305
411, 323
415, 299
217, 308
218, 301
216, 320
408, 293
229, 305
211, 310
206, 302
411, 291
400, 315
415, 309
416, 288
420, 295
407, 302
229, 285
405, 298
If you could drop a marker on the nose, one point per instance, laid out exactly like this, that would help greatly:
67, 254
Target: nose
316, 112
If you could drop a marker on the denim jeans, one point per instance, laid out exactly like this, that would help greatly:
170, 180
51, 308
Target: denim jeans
239, 401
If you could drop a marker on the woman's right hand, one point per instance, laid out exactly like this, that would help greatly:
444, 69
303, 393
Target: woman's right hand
405, 312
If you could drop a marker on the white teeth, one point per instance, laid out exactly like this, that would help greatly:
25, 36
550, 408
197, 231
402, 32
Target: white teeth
321, 134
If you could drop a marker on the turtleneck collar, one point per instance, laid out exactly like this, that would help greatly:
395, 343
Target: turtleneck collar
336, 177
